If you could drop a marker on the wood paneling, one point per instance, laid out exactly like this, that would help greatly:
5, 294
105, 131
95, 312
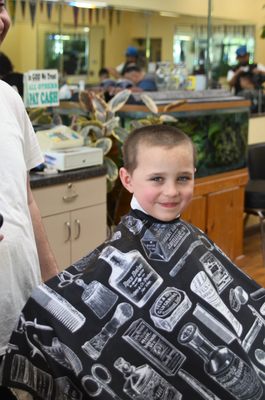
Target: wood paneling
217, 208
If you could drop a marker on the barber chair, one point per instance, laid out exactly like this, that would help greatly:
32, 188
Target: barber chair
255, 188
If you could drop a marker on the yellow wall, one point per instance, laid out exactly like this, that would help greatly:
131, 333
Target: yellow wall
256, 130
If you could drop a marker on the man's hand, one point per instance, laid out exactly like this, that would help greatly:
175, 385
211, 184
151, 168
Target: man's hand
258, 71
48, 263
1, 223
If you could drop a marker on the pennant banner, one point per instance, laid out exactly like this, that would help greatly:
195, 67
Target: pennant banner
75, 13
90, 16
49, 6
32, 10
83, 13
23, 7
110, 18
97, 15
12, 5
118, 15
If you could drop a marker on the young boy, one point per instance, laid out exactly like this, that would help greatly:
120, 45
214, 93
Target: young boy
156, 312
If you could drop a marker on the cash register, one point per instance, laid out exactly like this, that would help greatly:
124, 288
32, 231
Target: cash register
64, 149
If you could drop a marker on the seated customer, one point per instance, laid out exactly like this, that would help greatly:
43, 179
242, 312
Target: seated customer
141, 82
158, 311
104, 79
251, 91
103, 74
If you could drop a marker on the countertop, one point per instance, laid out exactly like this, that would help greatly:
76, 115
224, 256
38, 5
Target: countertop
200, 96
38, 180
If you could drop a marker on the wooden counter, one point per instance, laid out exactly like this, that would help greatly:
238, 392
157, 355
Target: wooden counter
190, 106
217, 208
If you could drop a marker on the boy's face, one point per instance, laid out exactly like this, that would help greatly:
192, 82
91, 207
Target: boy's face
163, 180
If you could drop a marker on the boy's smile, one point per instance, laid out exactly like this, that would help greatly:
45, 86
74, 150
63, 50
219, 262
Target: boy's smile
163, 180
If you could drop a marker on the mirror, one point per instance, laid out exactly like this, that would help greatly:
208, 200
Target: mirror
80, 41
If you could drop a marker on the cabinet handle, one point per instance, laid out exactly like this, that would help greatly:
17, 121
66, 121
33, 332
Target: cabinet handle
68, 226
71, 197
77, 222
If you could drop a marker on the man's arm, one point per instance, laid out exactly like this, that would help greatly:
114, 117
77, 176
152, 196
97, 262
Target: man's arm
113, 72
48, 264
259, 70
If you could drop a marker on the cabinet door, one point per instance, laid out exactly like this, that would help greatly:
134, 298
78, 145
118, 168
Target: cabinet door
196, 212
88, 230
225, 220
58, 229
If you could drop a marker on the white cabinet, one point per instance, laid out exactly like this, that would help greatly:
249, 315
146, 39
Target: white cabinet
74, 216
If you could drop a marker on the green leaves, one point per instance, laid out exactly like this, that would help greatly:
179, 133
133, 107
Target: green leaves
104, 143
149, 102
119, 100
120, 133
112, 169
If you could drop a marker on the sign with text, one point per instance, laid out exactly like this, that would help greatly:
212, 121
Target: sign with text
41, 88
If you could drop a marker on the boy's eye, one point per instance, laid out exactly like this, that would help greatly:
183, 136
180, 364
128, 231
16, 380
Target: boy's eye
156, 179
184, 178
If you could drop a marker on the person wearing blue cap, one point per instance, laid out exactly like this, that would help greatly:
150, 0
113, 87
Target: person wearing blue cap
131, 59
254, 71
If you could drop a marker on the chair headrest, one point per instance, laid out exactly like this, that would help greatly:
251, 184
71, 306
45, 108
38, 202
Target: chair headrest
256, 161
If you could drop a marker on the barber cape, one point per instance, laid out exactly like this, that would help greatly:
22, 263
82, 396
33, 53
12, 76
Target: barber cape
156, 312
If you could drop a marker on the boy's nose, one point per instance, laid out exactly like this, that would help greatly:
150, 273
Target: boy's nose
171, 189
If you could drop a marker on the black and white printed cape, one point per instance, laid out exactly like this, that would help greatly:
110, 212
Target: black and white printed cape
156, 312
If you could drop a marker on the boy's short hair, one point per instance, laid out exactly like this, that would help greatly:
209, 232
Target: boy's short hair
153, 135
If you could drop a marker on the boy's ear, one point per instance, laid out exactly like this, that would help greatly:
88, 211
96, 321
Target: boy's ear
125, 178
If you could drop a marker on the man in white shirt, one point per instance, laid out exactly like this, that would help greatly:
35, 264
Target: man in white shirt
25, 255
256, 72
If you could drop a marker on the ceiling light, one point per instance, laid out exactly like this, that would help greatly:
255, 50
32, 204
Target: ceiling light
87, 4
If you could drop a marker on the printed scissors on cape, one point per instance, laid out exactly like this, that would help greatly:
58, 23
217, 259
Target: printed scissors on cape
97, 381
